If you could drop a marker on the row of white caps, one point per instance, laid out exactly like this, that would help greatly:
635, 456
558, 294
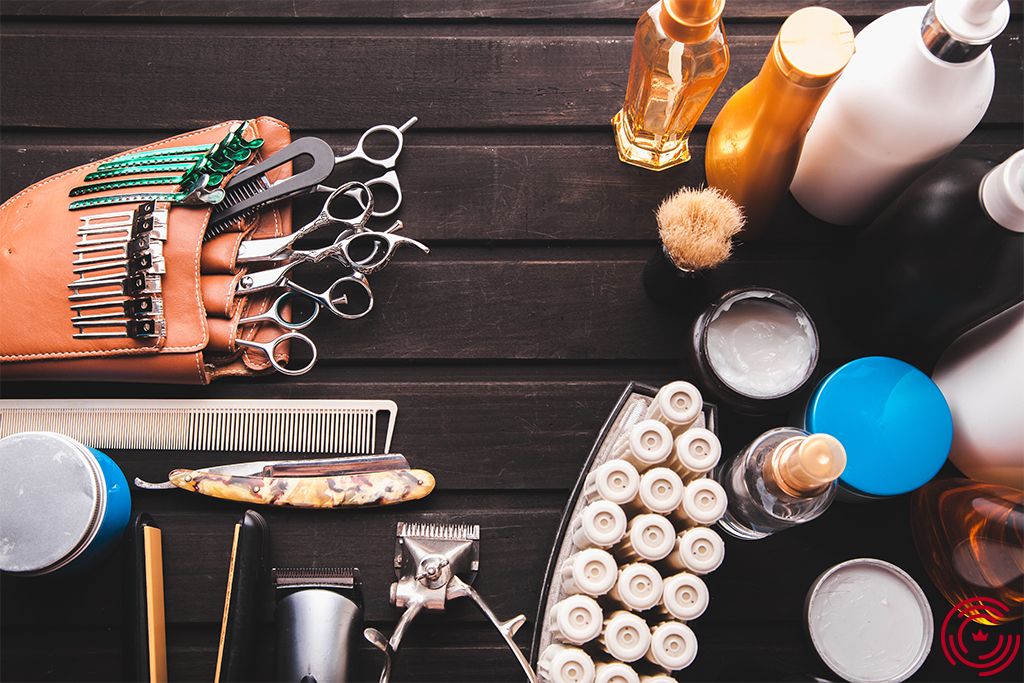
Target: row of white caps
642, 540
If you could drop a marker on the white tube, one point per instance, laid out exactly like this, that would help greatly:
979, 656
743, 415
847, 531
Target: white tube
615, 672
696, 452
638, 588
626, 637
565, 664
699, 550
648, 538
677, 405
577, 619
673, 646
684, 596
704, 502
616, 481
647, 444
660, 492
600, 525
590, 572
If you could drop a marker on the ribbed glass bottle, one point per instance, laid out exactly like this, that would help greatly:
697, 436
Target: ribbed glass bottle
679, 59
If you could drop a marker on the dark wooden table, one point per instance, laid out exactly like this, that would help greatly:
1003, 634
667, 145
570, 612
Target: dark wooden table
505, 348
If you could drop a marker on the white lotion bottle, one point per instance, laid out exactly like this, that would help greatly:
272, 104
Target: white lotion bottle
919, 82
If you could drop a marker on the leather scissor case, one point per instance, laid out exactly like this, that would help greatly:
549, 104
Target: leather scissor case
198, 308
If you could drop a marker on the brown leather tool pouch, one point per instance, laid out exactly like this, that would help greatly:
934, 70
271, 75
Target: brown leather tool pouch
49, 297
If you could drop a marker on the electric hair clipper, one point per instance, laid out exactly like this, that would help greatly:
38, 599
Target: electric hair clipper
318, 615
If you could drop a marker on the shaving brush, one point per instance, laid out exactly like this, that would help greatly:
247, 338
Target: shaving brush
696, 228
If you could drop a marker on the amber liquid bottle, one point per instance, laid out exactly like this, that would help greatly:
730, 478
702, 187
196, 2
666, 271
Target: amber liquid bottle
755, 142
679, 59
970, 537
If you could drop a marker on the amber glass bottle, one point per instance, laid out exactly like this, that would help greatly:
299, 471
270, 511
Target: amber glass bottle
755, 142
679, 59
970, 536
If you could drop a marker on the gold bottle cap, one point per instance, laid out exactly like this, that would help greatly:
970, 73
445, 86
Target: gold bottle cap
803, 466
690, 21
814, 46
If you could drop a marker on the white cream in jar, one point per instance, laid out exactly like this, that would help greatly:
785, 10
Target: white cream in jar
760, 347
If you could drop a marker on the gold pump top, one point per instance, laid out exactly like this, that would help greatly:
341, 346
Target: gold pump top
690, 21
814, 46
803, 466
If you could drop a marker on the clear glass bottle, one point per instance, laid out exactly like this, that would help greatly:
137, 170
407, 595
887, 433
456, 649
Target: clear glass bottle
970, 537
756, 140
679, 59
783, 478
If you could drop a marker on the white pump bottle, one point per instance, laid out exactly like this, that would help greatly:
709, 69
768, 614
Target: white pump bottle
920, 81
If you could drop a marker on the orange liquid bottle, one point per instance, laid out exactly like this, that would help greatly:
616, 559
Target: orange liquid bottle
970, 536
679, 59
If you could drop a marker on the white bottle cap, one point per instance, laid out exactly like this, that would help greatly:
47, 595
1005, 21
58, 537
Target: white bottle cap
673, 646
975, 22
626, 636
699, 550
601, 524
639, 587
565, 664
615, 672
577, 619
647, 444
677, 405
1002, 193
658, 678
685, 596
591, 572
616, 481
649, 538
661, 490
704, 502
697, 450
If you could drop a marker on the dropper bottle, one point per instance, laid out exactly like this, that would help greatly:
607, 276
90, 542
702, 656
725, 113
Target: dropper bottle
783, 478
679, 59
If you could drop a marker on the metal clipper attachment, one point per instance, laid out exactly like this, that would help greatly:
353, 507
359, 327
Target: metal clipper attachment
435, 563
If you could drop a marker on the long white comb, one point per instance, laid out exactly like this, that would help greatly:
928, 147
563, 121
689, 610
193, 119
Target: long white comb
303, 426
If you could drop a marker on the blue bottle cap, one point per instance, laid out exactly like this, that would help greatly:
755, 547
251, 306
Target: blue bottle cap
892, 420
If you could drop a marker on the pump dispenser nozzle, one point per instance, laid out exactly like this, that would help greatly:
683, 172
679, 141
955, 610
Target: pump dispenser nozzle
803, 466
973, 21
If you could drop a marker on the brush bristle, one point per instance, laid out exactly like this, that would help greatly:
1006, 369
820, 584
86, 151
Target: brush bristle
697, 227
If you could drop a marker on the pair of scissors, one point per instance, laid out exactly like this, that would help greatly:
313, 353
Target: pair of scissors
331, 298
280, 248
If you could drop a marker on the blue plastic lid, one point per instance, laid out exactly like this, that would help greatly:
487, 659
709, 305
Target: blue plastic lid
892, 420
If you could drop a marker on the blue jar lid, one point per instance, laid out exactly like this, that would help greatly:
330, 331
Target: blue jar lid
892, 420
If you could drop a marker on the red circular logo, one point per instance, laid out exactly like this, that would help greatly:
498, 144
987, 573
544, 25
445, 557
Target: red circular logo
966, 639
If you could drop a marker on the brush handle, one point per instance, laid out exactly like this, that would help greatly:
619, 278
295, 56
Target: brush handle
368, 489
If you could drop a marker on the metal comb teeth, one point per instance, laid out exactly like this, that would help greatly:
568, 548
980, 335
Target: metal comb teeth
315, 577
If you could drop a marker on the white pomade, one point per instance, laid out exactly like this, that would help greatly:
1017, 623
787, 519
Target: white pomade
870, 621
760, 348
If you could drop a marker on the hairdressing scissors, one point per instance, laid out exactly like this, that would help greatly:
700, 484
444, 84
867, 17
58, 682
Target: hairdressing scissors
389, 179
270, 347
279, 248
333, 297
387, 162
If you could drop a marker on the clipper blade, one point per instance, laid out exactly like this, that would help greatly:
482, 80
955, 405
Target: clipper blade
315, 577
448, 532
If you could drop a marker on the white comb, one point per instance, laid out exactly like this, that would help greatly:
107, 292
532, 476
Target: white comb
305, 426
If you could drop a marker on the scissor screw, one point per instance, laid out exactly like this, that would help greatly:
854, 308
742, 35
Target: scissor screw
246, 282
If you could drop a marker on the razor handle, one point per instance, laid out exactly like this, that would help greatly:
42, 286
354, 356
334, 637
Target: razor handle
145, 648
248, 583
350, 490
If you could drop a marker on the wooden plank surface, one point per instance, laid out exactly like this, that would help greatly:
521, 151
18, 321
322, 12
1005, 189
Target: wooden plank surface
505, 348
